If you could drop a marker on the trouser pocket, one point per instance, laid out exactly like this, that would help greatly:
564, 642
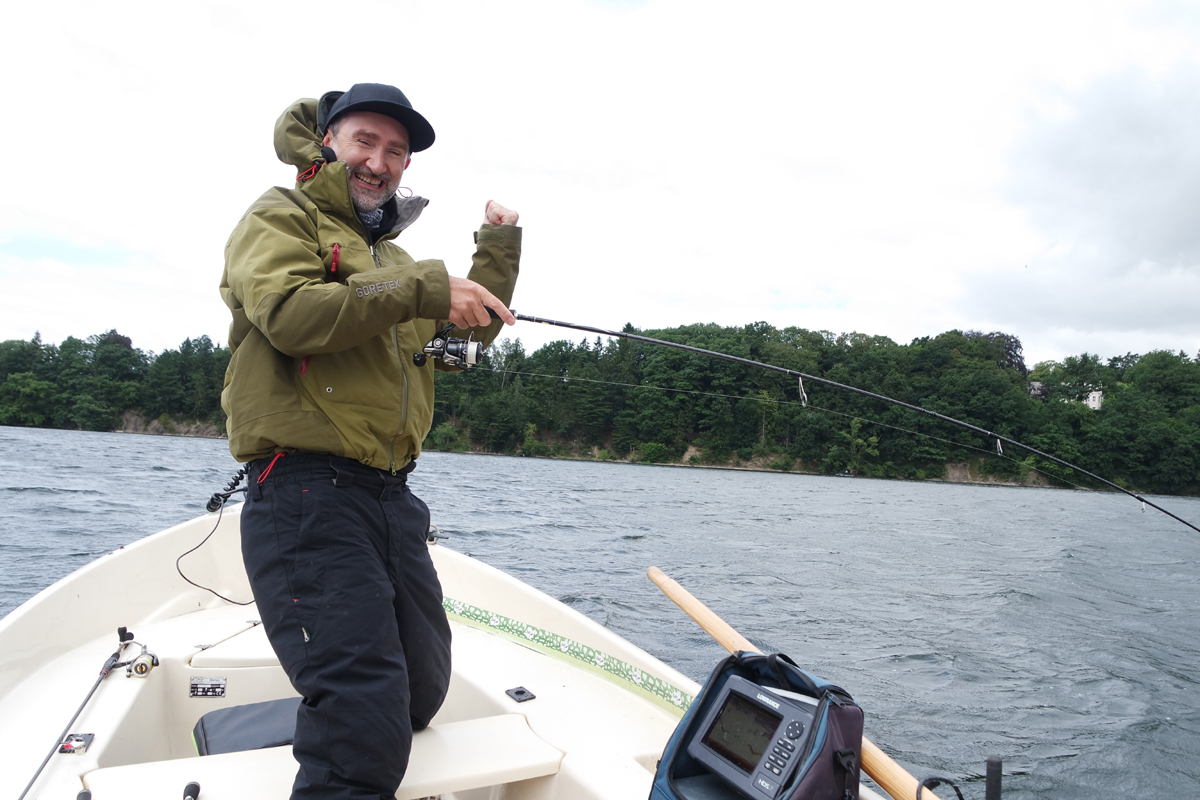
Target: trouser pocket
285, 542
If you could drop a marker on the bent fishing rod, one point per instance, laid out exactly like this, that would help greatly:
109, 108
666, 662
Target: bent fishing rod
466, 353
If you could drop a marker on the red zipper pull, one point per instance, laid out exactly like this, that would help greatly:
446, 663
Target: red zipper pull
311, 171
337, 257
304, 364
270, 467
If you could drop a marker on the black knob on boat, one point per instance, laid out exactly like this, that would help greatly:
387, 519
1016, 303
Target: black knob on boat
191, 791
994, 771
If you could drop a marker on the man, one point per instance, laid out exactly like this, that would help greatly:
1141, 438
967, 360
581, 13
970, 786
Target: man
329, 407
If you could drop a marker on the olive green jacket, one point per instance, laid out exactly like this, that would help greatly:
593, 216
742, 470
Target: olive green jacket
323, 362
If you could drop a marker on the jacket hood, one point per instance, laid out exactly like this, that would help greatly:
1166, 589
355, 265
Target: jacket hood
296, 139
298, 143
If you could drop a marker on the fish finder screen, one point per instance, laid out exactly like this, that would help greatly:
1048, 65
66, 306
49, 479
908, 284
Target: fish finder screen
742, 732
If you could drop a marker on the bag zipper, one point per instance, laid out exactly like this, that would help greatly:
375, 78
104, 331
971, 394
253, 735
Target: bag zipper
821, 720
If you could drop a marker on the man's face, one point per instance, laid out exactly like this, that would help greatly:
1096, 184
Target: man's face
375, 149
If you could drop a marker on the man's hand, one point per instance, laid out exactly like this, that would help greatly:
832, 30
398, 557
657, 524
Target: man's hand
469, 302
496, 214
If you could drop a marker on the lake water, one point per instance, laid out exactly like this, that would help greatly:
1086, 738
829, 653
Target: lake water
1059, 629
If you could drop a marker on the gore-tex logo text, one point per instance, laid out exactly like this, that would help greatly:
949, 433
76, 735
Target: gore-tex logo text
375, 288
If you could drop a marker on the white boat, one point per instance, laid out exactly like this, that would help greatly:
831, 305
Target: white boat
601, 714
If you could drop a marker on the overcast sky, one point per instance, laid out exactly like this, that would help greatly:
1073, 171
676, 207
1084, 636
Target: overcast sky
897, 169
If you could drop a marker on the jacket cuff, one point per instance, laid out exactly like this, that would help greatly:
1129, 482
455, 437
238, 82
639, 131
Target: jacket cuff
498, 233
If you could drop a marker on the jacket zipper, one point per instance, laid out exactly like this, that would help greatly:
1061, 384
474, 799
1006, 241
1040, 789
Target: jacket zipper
403, 397
404, 384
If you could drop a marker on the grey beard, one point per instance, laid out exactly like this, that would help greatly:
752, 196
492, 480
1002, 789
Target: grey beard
367, 205
366, 202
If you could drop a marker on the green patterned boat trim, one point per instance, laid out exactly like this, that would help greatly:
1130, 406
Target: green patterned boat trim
612, 669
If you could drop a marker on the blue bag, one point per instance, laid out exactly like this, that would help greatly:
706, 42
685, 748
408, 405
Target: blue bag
800, 739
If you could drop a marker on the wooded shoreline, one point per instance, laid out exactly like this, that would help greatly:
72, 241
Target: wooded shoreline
622, 400
959, 472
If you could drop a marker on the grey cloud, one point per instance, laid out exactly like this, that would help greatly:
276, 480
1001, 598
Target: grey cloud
1118, 178
1113, 187
1142, 300
1058, 312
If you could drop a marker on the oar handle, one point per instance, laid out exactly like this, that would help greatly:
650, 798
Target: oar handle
716, 627
892, 777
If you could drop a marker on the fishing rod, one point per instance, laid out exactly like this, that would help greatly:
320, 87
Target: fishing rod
868, 420
470, 357
78, 743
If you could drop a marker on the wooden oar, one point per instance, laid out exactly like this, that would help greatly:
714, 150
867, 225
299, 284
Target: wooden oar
894, 779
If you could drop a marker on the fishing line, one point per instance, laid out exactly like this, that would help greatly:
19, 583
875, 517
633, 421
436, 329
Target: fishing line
567, 378
807, 404
805, 376
987, 453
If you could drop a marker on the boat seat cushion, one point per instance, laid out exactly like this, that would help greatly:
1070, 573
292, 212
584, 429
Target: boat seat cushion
248, 727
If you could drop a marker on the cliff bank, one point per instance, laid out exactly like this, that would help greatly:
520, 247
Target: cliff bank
134, 422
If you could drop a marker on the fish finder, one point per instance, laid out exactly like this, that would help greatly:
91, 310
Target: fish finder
753, 739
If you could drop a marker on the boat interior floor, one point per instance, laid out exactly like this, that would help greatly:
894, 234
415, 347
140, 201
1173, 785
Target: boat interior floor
581, 737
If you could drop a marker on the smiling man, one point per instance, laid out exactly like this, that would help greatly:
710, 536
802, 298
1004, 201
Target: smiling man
329, 407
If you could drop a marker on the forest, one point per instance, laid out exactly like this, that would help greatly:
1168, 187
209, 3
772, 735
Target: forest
619, 399
88, 384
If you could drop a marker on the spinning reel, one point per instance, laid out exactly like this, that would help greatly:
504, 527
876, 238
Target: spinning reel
461, 353
141, 664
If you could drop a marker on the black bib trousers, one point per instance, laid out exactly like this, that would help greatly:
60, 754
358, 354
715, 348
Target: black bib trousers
338, 562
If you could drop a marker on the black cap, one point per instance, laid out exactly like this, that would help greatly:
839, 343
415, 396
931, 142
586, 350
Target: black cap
382, 99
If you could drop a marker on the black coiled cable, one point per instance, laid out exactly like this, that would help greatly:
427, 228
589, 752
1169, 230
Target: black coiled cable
219, 498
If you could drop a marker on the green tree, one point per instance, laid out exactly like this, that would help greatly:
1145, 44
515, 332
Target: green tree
24, 400
97, 379
89, 414
768, 409
19, 356
851, 453
446, 438
653, 452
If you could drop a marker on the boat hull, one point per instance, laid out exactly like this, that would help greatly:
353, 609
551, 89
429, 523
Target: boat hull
602, 713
